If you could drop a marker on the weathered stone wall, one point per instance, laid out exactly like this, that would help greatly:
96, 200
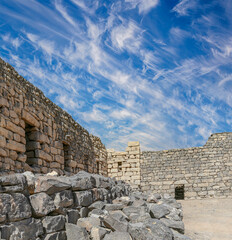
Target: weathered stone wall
198, 172
45, 207
126, 165
203, 171
37, 135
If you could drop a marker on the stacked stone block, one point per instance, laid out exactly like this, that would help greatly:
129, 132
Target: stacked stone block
37, 135
126, 165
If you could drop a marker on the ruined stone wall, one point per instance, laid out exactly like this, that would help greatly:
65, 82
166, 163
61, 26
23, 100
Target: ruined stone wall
44, 207
126, 165
198, 172
202, 171
37, 135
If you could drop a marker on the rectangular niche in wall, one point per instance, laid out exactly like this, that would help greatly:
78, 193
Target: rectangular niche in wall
86, 163
179, 192
67, 155
98, 167
119, 166
31, 145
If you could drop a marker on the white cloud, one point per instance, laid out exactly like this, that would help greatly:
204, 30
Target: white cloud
122, 114
46, 45
144, 6
126, 37
183, 7
61, 9
178, 34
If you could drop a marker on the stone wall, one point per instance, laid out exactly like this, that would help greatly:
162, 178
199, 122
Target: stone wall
202, 171
126, 165
45, 207
192, 173
37, 135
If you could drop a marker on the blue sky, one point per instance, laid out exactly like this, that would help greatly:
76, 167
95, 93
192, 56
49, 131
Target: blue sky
159, 72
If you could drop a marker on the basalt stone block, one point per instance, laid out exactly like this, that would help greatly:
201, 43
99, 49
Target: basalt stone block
14, 207
89, 222
102, 182
158, 210
50, 185
97, 205
119, 215
98, 233
84, 211
53, 223
82, 181
83, 198
28, 229
42, 204
63, 199
13, 183
176, 225
75, 232
114, 224
56, 236
72, 215
150, 230
178, 236
117, 236
113, 207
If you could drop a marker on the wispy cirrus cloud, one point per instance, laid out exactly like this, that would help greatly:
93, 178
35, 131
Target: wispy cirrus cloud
184, 7
124, 72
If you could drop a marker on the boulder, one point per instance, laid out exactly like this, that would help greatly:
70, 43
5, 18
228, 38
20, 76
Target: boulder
42, 204
119, 215
53, 223
14, 207
178, 236
56, 236
13, 183
82, 181
72, 215
113, 207
50, 184
28, 229
158, 210
89, 222
63, 199
97, 205
75, 232
150, 230
114, 224
118, 236
176, 225
83, 198
98, 233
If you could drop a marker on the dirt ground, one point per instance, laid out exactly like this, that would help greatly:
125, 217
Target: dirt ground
209, 219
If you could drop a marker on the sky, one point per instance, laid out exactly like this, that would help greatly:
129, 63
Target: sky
158, 72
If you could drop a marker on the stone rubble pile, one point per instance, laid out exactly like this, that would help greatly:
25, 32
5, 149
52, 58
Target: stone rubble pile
84, 206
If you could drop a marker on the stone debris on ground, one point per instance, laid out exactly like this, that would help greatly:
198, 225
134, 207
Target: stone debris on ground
84, 206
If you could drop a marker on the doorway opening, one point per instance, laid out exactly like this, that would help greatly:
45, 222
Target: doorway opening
179, 192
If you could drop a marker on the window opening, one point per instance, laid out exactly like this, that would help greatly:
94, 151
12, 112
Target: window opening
119, 166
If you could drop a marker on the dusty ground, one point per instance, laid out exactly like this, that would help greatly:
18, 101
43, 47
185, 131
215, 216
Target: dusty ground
209, 219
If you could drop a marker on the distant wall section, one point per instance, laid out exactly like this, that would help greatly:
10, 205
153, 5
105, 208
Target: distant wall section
126, 165
202, 171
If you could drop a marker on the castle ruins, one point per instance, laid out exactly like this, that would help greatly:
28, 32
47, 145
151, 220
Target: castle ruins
36, 135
